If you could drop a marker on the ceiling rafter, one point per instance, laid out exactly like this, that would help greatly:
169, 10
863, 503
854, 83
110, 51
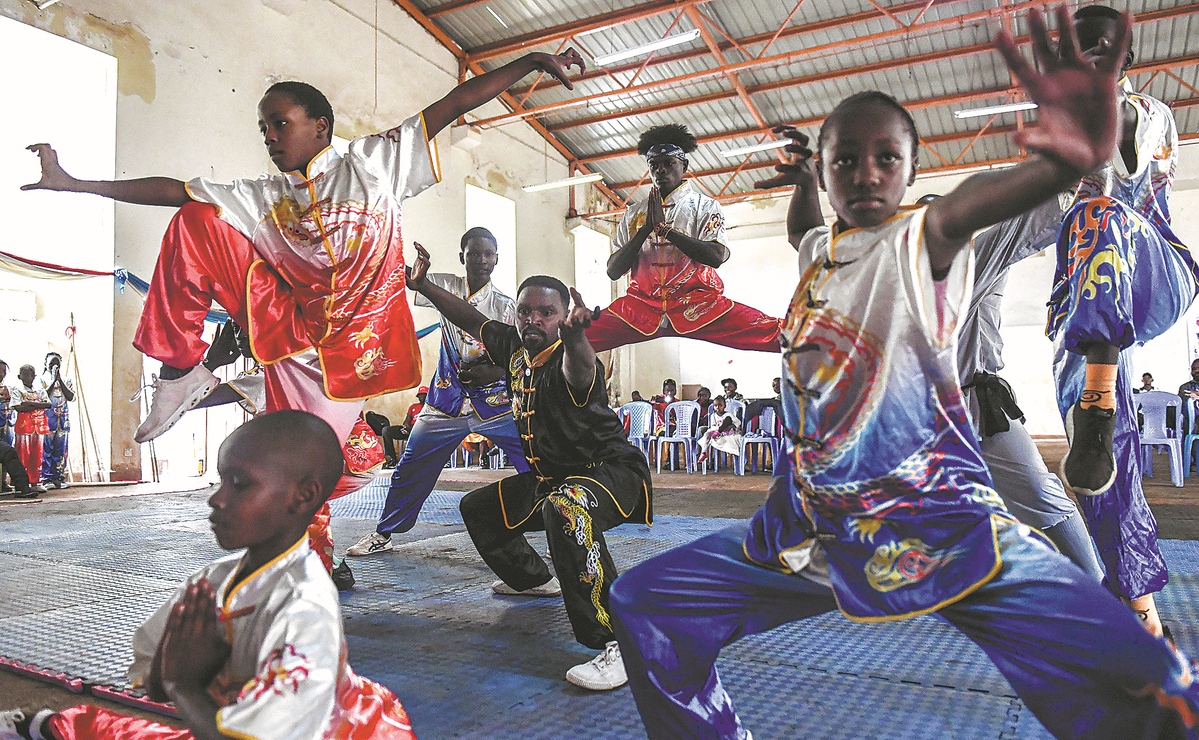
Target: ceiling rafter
927, 141
506, 98
930, 172
650, 9
1164, 65
453, 5
701, 21
527, 41
808, 122
792, 56
747, 41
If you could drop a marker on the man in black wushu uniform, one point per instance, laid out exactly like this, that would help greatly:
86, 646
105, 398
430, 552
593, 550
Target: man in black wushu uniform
584, 478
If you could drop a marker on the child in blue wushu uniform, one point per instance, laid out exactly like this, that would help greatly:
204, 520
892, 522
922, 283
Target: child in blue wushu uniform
889, 511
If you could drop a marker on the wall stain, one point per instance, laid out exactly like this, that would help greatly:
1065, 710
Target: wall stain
135, 59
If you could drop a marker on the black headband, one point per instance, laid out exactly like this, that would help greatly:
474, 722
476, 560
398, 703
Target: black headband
668, 150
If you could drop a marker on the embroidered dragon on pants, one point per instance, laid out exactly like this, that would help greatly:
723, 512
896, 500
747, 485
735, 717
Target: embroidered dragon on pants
572, 502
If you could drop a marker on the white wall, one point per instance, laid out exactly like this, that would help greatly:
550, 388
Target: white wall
190, 75
69, 96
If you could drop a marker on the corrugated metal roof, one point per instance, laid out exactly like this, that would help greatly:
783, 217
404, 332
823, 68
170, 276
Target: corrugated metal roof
833, 50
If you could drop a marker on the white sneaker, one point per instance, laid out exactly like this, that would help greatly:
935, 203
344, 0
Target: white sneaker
8, 724
172, 399
603, 673
372, 544
549, 588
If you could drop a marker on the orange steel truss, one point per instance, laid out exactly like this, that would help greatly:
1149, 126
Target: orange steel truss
902, 20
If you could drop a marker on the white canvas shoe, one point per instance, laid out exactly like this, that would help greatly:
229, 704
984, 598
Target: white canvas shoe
549, 588
172, 399
372, 544
8, 724
603, 673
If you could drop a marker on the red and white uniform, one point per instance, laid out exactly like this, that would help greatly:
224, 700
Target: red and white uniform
29, 429
671, 294
312, 265
287, 673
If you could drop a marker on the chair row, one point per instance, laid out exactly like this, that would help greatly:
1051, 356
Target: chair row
681, 429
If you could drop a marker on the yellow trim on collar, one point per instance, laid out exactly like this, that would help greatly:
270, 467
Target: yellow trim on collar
543, 356
265, 567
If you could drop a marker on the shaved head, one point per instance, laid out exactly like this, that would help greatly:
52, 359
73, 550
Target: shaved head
295, 441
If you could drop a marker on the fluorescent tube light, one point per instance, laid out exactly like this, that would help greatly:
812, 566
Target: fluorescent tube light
763, 147
669, 41
576, 180
991, 110
493, 15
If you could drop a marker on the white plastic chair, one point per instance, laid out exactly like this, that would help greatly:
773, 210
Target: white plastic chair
685, 416
737, 408
762, 435
1153, 406
641, 417
1189, 438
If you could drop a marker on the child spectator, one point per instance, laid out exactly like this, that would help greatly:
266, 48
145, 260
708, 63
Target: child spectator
723, 434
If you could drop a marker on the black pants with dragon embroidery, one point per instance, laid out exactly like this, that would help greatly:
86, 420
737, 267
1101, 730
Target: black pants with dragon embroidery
574, 510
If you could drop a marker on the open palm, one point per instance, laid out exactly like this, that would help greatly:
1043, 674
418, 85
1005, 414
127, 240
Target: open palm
1078, 119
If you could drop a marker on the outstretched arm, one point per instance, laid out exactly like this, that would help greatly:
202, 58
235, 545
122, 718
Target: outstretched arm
1078, 126
804, 214
460, 313
579, 357
147, 191
478, 90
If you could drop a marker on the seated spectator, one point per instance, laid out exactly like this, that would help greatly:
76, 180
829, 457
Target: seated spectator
776, 385
636, 396
11, 466
1146, 384
668, 396
414, 410
477, 444
704, 398
390, 434
1190, 392
723, 433
730, 390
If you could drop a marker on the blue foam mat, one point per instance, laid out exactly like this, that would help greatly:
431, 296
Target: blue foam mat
467, 663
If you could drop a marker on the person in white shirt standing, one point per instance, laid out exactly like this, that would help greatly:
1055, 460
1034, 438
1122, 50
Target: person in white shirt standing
468, 395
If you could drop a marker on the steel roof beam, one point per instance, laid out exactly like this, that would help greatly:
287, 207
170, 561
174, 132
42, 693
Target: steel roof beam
789, 57
648, 10
698, 20
931, 172
1136, 69
452, 6
505, 98
946, 138
594, 23
809, 122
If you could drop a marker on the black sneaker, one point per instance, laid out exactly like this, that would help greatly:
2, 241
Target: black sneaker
1089, 468
343, 578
